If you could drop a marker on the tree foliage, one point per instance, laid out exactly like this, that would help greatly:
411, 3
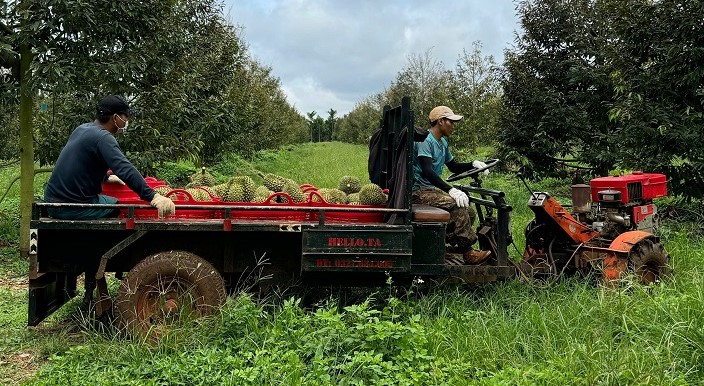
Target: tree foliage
199, 93
475, 93
609, 83
472, 90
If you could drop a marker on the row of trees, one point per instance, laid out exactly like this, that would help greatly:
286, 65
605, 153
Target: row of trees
471, 89
322, 130
199, 93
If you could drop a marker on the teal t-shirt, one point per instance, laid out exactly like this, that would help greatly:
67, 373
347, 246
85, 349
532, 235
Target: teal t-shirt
439, 153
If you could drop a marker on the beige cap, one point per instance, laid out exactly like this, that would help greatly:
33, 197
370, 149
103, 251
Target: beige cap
443, 112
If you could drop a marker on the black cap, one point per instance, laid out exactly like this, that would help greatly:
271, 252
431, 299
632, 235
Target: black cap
114, 104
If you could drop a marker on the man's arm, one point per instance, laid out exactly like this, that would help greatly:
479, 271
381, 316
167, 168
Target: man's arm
123, 168
426, 170
459, 167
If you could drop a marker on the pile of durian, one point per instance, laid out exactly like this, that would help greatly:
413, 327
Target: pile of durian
349, 191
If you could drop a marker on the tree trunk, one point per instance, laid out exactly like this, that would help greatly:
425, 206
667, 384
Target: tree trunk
26, 150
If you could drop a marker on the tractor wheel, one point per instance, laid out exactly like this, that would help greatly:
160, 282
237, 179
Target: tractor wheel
649, 261
165, 287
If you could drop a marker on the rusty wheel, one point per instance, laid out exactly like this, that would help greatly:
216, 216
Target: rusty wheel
649, 261
165, 287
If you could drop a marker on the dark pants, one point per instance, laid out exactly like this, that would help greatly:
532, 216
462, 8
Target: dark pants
86, 213
459, 233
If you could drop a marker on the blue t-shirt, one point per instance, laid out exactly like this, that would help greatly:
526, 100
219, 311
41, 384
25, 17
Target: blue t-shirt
439, 153
83, 163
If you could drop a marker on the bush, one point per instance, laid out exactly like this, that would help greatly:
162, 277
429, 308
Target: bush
175, 174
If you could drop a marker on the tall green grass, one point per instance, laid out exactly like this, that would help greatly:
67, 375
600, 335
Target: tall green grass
572, 332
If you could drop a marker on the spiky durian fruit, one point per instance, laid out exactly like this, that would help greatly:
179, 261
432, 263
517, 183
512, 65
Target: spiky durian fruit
261, 194
293, 190
349, 184
247, 184
273, 182
201, 178
371, 194
235, 193
220, 190
332, 196
163, 190
199, 194
353, 199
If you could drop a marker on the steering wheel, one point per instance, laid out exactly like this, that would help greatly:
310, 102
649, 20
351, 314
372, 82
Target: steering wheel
473, 172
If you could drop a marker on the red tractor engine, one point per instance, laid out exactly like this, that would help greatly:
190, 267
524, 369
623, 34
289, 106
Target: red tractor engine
613, 205
611, 228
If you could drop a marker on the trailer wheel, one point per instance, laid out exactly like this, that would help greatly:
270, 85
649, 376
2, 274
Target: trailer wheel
649, 261
165, 287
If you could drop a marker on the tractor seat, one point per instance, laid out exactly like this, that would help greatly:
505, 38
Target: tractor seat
427, 213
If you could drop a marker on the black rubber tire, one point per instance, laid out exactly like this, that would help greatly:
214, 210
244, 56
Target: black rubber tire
649, 261
165, 286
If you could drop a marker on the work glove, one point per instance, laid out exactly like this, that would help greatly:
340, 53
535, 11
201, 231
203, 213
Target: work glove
460, 197
113, 179
163, 205
479, 164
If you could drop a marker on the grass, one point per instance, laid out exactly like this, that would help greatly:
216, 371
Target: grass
573, 332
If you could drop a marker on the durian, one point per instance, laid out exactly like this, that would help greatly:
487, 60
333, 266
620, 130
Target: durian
371, 194
349, 184
273, 182
331, 196
201, 178
293, 190
244, 188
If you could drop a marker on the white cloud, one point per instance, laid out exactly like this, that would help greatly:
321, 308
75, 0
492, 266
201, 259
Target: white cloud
334, 53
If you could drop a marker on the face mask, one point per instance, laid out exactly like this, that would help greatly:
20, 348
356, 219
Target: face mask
122, 129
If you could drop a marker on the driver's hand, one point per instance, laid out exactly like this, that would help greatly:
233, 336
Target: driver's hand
478, 165
460, 197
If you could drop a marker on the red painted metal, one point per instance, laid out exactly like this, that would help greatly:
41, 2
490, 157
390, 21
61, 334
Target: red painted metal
616, 261
651, 185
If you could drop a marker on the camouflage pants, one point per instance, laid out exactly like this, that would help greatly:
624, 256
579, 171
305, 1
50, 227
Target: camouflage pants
459, 233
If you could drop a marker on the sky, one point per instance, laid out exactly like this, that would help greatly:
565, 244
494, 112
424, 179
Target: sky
335, 53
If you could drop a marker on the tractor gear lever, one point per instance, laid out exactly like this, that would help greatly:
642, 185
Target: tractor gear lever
520, 177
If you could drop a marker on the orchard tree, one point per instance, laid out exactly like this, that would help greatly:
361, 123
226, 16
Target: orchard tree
659, 84
475, 94
51, 49
358, 125
557, 88
610, 83
426, 80
330, 124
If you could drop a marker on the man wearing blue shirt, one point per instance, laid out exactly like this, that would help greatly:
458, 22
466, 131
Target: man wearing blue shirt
83, 164
430, 189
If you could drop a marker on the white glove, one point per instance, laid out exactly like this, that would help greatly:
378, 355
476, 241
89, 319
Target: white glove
479, 164
163, 205
113, 179
460, 197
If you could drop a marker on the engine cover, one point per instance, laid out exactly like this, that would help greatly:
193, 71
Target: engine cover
634, 187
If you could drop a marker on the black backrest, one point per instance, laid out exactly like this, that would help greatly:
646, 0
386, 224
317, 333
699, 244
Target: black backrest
391, 156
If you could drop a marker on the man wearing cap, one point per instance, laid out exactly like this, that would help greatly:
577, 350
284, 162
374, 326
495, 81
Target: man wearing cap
83, 164
430, 189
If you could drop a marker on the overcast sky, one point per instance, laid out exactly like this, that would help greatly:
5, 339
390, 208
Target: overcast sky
334, 53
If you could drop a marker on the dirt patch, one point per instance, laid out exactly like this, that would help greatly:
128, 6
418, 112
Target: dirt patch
18, 283
18, 367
